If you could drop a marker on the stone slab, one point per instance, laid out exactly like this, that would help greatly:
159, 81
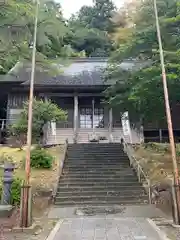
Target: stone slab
29, 230
6, 211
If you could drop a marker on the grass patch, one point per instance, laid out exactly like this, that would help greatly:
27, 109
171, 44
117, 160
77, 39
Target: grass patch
155, 158
40, 178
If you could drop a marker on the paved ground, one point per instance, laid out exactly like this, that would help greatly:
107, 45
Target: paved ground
144, 211
127, 223
106, 229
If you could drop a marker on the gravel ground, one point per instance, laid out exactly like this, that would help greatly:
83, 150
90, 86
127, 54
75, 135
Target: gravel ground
39, 234
172, 233
44, 226
166, 225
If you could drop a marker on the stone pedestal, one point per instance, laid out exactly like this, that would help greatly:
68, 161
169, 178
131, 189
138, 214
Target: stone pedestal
6, 211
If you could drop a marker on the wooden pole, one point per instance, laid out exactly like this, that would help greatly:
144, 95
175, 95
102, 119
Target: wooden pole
27, 191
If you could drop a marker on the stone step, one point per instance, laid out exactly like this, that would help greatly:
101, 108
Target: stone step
109, 188
84, 170
94, 193
97, 164
92, 167
97, 175
99, 171
109, 184
85, 199
107, 179
101, 151
92, 155
102, 203
94, 171
96, 144
101, 197
114, 154
95, 147
95, 161
90, 173
100, 158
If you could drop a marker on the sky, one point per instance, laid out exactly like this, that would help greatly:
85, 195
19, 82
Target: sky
72, 6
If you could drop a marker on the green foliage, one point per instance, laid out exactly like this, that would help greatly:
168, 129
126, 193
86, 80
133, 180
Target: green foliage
157, 147
178, 152
91, 40
43, 112
40, 158
17, 28
98, 16
87, 33
90, 29
15, 191
139, 90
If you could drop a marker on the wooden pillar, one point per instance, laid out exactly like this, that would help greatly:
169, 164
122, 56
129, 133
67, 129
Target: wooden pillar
47, 126
46, 98
141, 134
93, 106
160, 135
110, 124
75, 118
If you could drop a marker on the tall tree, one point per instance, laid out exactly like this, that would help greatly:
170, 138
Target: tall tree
140, 90
99, 15
16, 27
91, 28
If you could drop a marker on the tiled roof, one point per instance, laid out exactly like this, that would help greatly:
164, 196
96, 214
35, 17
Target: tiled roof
81, 72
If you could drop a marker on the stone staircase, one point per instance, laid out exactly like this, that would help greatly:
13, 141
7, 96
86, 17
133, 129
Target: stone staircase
98, 174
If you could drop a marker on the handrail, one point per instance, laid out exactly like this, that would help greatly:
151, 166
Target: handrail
61, 165
142, 176
64, 158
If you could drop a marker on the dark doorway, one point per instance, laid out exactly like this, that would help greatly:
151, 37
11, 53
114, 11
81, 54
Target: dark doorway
3, 117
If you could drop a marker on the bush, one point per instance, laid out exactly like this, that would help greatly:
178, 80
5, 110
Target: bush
41, 159
157, 147
16, 191
43, 112
178, 152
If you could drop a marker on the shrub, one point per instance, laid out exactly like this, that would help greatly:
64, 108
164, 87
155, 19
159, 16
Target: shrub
16, 191
43, 112
178, 152
157, 147
40, 158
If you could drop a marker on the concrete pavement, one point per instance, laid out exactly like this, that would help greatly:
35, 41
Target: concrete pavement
106, 229
130, 223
